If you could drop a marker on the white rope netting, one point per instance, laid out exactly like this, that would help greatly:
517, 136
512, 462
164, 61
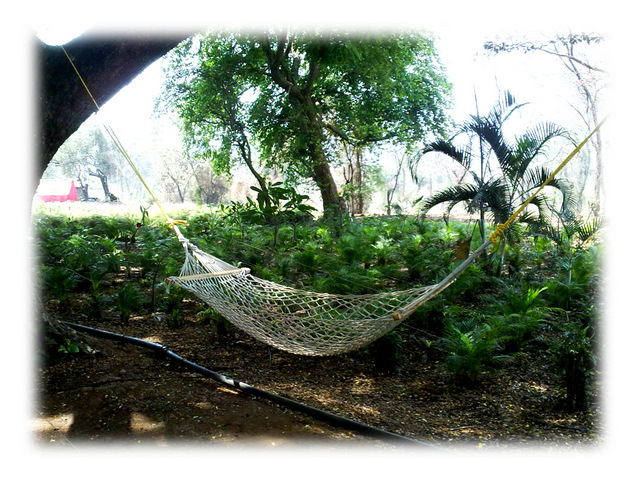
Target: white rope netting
294, 320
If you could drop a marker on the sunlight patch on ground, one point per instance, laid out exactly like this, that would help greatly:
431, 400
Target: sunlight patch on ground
268, 441
153, 338
205, 405
362, 386
228, 390
52, 423
140, 423
537, 387
371, 412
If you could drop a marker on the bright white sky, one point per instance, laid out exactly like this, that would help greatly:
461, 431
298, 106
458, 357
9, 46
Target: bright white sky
462, 27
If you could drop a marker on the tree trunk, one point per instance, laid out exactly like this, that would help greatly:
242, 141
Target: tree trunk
245, 152
310, 124
321, 171
179, 190
105, 184
392, 191
83, 192
357, 199
328, 190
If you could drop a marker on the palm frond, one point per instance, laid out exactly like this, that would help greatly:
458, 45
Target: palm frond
531, 219
542, 214
532, 142
586, 230
496, 198
536, 177
504, 108
453, 195
491, 133
460, 155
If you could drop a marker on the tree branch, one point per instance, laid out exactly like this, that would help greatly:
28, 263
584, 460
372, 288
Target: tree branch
528, 46
573, 59
275, 64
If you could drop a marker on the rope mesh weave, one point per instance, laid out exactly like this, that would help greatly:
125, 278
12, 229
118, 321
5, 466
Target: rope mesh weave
297, 321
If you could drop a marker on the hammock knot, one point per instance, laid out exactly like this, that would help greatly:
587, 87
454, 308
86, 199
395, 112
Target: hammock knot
498, 233
172, 223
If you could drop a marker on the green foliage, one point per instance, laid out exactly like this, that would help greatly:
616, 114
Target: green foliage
475, 323
58, 282
518, 300
174, 298
278, 204
501, 194
211, 317
518, 314
426, 257
294, 95
575, 358
471, 346
68, 347
308, 260
128, 300
570, 231
469, 286
174, 319
576, 280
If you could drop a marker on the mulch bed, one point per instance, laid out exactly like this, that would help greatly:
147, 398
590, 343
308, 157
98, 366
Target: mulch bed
126, 394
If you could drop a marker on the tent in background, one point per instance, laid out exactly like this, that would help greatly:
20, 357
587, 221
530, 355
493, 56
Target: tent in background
57, 191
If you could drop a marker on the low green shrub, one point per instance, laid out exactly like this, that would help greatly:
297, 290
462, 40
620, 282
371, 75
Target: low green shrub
128, 300
575, 358
471, 347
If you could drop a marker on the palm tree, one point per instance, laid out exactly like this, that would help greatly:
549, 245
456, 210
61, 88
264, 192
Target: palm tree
503, 193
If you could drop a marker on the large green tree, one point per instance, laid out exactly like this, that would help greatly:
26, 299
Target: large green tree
300, 97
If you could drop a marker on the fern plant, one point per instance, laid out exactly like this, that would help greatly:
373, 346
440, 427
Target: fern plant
579, 276
470, 347
570, 232
59, 282
575, 358
128, 300
520, 313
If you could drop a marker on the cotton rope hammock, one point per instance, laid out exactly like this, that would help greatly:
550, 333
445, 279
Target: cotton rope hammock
298, 321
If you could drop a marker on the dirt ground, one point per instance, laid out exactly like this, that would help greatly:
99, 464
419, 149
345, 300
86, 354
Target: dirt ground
124, 394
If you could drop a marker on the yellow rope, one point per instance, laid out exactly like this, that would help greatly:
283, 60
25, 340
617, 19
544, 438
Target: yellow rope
501, 228
170, 221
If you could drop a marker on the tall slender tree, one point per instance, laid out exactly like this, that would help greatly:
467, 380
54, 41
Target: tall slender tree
502, 193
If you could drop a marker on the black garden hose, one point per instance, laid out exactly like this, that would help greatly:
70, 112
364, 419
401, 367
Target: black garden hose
229, 382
